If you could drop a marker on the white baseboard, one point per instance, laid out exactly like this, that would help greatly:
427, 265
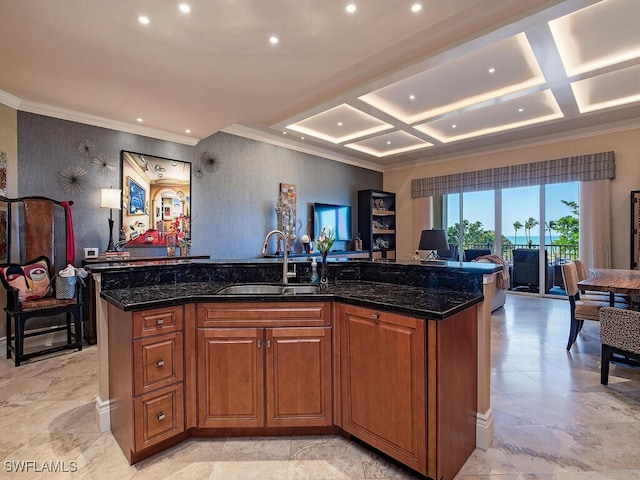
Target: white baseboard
484, 429
103, 415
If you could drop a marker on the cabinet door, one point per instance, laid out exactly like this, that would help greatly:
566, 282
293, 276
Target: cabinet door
383, 382
299, 377
230, 377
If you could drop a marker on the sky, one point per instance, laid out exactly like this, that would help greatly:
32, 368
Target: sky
517, 204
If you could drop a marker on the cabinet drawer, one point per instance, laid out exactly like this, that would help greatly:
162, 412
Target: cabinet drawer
157, 321
271, 314
158, 361
158, 415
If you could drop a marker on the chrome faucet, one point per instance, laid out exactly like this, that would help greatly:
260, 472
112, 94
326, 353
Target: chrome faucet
286, 274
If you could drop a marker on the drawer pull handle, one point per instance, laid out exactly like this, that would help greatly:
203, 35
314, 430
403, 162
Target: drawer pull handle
160, 416
159, 321
268, 343
259, 343
160, 363
375, 316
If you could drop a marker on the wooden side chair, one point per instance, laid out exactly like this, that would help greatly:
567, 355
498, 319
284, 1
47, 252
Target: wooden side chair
620, 337
580, 309
42, 226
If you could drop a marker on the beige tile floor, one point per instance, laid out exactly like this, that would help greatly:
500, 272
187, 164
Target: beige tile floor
553, 420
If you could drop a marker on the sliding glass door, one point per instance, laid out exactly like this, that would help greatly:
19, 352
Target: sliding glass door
534, 228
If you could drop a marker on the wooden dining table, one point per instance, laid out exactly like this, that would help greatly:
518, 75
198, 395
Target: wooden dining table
612, 280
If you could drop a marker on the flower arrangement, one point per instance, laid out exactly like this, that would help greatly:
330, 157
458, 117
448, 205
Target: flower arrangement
184, 242
325, 240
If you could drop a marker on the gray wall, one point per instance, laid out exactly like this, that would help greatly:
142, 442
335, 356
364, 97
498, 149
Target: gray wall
233, 207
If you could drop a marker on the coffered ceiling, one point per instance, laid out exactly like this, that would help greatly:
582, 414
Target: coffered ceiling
383, 86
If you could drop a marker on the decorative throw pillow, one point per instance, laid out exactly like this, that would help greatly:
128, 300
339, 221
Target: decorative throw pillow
32, 279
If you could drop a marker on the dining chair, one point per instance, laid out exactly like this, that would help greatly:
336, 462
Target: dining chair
33, 307
620, 338
580, 309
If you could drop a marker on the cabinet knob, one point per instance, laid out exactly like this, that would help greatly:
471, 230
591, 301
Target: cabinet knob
159, 321
160, 416
160, 363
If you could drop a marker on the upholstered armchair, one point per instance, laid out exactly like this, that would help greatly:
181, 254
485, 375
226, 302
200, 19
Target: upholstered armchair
620, 336
526, 272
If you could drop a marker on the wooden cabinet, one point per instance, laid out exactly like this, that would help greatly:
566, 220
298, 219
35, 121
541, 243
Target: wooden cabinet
146, 378
377, 223
409, 386
264, 365
383, 382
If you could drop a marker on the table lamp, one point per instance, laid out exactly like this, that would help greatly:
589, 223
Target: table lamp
110, 198
433, 240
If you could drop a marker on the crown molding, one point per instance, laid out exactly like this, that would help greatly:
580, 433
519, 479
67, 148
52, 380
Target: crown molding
277, 140
79, 117
87, 119
9, 100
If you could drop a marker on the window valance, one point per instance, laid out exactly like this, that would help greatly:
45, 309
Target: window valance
595, 166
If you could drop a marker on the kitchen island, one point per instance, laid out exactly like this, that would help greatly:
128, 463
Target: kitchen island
388, 354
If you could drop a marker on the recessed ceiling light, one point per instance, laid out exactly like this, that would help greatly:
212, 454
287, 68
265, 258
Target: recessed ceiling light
412, 97
187, 131
521, 110
339, 124
454, 126
351, 8
143, 20
492, 70
388, 142
284, 133
184, 8
416, 7
139, 120
273, 40
301, 138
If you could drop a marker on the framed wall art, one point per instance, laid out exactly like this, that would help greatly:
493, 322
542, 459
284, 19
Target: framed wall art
137, 198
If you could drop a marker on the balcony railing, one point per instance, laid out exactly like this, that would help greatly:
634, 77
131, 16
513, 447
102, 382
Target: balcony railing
555, 253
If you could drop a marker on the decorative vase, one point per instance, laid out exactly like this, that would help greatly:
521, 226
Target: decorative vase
324, 281
184, 251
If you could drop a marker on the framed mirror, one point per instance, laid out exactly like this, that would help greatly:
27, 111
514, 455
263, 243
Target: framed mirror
156, 200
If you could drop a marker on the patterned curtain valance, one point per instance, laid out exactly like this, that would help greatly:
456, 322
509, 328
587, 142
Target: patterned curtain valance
595, 166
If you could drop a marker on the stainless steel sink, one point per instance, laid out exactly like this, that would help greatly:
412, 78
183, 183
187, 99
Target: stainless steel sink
299, 289
252, 289
262, 289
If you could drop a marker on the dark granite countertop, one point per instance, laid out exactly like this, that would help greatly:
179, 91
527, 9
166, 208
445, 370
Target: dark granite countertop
407, 300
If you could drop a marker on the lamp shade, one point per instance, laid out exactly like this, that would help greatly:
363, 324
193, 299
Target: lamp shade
433, 240
110, 198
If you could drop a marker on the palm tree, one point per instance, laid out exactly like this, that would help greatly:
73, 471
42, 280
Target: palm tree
516, 226
550, 227
528, 225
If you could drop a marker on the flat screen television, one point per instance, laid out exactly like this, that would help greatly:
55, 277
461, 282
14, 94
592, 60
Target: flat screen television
336, 217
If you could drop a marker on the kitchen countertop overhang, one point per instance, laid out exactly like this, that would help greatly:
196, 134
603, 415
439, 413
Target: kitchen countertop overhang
398, 295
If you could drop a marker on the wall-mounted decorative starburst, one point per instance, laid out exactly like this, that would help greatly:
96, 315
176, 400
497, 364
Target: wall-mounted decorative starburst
86, 148
209, 163
72, 179
103, 165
